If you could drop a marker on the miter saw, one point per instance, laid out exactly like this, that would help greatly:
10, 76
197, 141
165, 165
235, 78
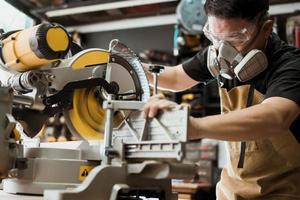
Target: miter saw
101, 94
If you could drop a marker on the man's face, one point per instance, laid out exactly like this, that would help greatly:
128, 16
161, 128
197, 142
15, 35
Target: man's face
241, 34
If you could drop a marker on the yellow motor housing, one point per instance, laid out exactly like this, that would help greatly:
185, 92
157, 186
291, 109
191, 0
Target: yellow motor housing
39, 45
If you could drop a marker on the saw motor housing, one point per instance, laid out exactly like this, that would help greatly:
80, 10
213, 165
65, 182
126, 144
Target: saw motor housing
30, 48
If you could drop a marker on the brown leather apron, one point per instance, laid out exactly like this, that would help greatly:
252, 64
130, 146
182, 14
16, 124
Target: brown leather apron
271, 167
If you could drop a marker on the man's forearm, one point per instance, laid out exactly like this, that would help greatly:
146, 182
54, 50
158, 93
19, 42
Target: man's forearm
172, 78
257, 122
166, 80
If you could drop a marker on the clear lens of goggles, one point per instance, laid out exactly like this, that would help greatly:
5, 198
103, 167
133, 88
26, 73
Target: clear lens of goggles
234, 38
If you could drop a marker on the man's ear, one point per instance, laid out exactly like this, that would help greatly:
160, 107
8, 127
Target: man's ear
268, 28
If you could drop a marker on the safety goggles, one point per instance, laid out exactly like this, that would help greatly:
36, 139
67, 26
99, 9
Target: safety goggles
237, 38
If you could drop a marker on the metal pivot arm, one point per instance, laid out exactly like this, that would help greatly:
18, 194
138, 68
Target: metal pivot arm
108, 151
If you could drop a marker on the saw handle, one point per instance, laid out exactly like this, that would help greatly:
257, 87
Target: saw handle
155, 70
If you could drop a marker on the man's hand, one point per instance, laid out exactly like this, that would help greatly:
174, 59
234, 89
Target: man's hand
156, 103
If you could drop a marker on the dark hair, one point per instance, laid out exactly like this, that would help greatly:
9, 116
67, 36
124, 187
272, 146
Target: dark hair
244, 9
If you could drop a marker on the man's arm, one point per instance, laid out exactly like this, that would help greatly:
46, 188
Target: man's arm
271, 118
172, 78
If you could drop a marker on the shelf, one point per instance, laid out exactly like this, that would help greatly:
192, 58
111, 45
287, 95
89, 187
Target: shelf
96, 12
285, 8
88, 16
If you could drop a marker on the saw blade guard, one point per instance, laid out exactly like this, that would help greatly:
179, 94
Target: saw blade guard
86, 117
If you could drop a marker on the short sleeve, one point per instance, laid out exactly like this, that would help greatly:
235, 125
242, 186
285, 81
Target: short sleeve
196, 67
285, 82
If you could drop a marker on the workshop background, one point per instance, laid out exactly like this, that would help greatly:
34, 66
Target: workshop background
160, 33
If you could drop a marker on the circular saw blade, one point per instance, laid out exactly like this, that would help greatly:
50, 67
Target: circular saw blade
86, 118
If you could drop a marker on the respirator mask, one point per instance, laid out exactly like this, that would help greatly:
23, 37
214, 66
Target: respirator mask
228, 62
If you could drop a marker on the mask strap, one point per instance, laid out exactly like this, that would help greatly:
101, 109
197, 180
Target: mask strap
243, 144
220, 83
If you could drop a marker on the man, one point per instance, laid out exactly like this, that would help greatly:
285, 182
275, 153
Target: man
259, 81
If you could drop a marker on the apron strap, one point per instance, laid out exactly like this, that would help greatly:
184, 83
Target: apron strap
243, 144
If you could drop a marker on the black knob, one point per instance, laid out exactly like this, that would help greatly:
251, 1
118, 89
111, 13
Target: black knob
156, 68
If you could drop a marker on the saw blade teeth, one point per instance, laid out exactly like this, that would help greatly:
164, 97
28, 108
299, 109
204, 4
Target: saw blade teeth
123, 51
